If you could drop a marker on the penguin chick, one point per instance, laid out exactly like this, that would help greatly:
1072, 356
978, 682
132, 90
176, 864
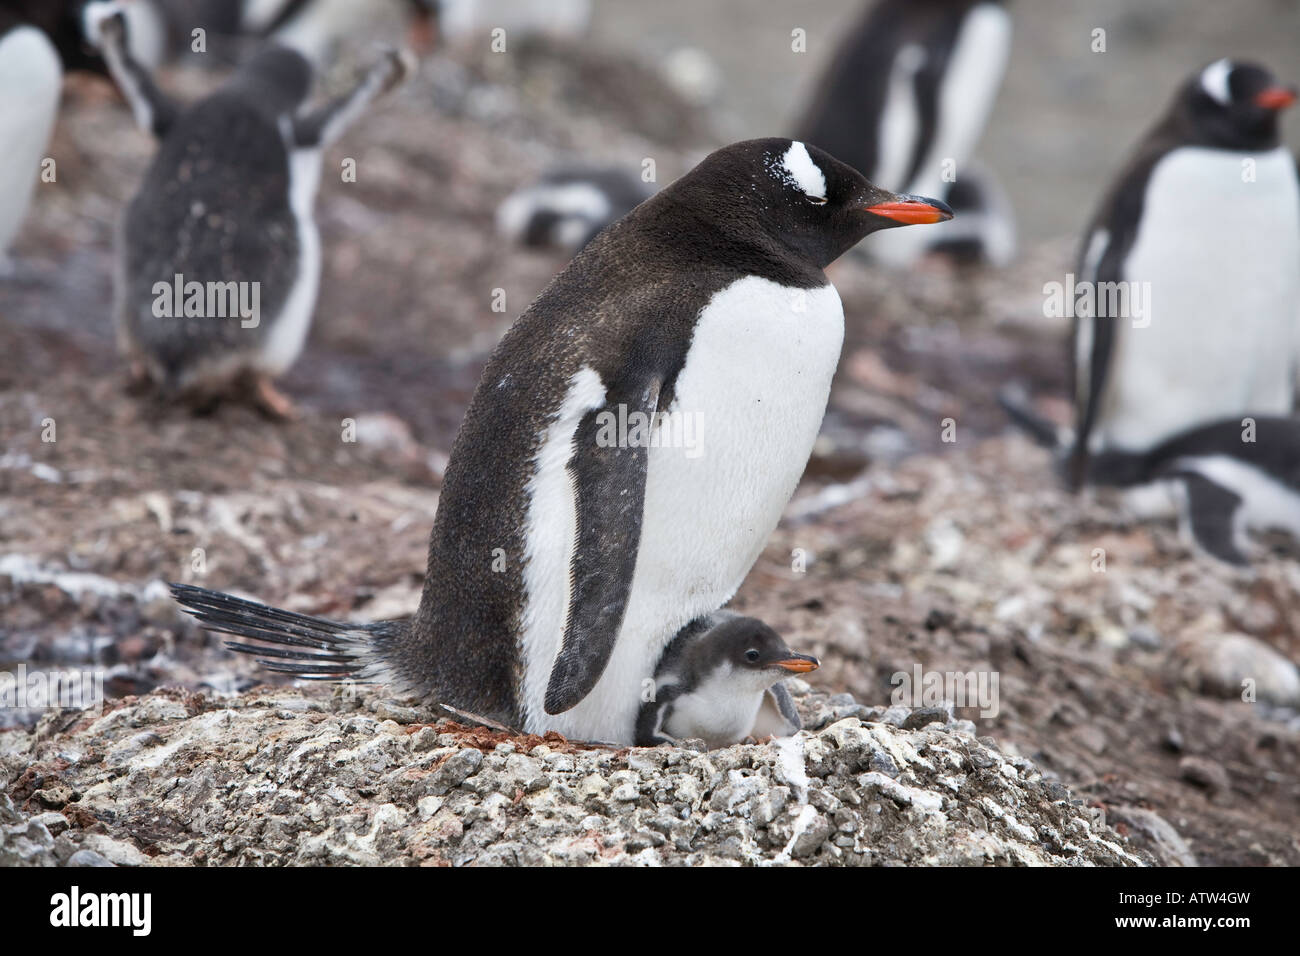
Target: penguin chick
218, 254
713, 680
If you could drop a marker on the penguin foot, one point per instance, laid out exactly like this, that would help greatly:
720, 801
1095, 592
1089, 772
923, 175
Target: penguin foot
272, 402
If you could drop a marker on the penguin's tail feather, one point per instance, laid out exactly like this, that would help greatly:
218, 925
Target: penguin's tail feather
310, 648
1016, 403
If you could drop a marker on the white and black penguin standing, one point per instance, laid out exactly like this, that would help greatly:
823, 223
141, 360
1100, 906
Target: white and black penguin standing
30, 80
41, 41
905, 100
631, 445
720, 680
226, 208
1206, 219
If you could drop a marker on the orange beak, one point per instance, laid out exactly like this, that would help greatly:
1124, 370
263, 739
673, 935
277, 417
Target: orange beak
913, 210
1275, 97
799, 664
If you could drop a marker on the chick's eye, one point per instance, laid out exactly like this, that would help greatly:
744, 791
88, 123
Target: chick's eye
751, 655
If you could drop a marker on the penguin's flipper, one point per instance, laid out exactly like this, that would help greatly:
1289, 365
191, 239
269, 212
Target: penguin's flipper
1211, 517
1093, 338
780, 695
777, 716
610, 481
105, 28
324, 125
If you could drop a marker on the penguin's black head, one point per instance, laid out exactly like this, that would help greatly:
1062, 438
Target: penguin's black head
1235, 105
781, 192
750, 646
280, 76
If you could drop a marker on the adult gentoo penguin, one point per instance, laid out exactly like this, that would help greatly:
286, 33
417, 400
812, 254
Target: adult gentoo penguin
567, 549
713, 680
1206, 218
910, 89
218, 254
30, 79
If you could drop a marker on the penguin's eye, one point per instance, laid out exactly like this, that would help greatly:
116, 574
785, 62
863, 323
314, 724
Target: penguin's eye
817, 200
751, 655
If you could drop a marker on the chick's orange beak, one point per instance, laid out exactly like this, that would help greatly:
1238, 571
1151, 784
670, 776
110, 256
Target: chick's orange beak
799, 664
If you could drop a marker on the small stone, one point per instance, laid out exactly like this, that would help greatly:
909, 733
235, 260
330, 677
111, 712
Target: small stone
646, 760
454, 771
895, 715
424, 739
1147, 638
625, 793
1092, 737
1204, 773
89, 858
923, 716
55, 823
883, 763
814, 834
117, 852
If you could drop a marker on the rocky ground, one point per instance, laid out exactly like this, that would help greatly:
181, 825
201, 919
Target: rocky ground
276, 777
1120, 677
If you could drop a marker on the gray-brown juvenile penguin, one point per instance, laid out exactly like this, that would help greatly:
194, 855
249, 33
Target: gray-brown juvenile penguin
218, 254
716, 679
631, 445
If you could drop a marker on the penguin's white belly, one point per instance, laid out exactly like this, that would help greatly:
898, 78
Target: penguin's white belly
1221, 258
755, 384
30, 78
721, 711
285, 337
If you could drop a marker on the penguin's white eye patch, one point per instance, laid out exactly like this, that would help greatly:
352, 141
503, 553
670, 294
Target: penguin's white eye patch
1214, 81
796, 168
